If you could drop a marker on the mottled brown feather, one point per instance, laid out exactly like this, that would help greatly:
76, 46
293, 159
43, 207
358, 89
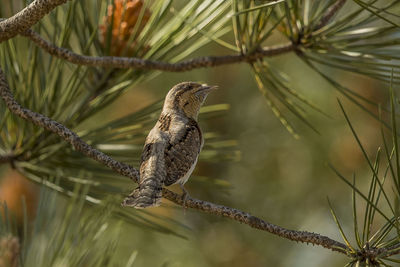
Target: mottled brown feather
146, 153
182, 153
165, 121
172, 146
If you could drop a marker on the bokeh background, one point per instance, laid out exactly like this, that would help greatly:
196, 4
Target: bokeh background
273, 175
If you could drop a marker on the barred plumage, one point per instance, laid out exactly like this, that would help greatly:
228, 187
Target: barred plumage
172, 146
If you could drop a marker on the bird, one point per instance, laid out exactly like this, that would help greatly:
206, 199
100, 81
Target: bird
172, 147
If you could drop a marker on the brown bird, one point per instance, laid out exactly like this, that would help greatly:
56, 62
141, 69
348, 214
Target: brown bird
173, 145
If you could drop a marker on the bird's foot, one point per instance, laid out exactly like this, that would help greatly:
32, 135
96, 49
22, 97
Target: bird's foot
185, 197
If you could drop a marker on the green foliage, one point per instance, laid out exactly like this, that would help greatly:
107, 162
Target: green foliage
382, 199
73, 95
64, 233
352, 42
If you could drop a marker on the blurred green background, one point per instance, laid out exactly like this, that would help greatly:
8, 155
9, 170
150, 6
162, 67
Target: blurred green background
274, 176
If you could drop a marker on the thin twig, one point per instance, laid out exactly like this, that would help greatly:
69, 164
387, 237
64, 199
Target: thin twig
26, 18
131, 62
332, 10
129, 171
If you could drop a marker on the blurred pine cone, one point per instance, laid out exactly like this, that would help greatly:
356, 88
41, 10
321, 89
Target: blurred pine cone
123, 19
13, 187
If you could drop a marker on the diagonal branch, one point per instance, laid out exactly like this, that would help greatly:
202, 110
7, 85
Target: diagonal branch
129, 171
131, 62
65, 133
26, 18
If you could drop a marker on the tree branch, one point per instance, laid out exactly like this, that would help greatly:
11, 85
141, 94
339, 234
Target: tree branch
129, 171
255, 222
26, 18
65, 133
131, 62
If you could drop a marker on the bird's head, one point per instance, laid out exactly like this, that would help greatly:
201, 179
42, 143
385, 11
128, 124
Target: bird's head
187, 97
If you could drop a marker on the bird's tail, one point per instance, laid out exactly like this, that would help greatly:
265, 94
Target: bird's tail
148, 194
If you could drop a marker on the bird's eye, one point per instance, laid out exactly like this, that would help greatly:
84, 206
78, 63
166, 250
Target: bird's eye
186, 103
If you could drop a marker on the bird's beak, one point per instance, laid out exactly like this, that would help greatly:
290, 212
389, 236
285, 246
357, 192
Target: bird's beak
204, 88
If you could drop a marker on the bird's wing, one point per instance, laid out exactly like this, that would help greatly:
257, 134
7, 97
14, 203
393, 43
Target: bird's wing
181, 153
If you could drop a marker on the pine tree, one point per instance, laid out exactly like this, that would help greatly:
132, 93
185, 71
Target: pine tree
64, 64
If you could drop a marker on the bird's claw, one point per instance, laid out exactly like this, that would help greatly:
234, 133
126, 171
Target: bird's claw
185, 197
